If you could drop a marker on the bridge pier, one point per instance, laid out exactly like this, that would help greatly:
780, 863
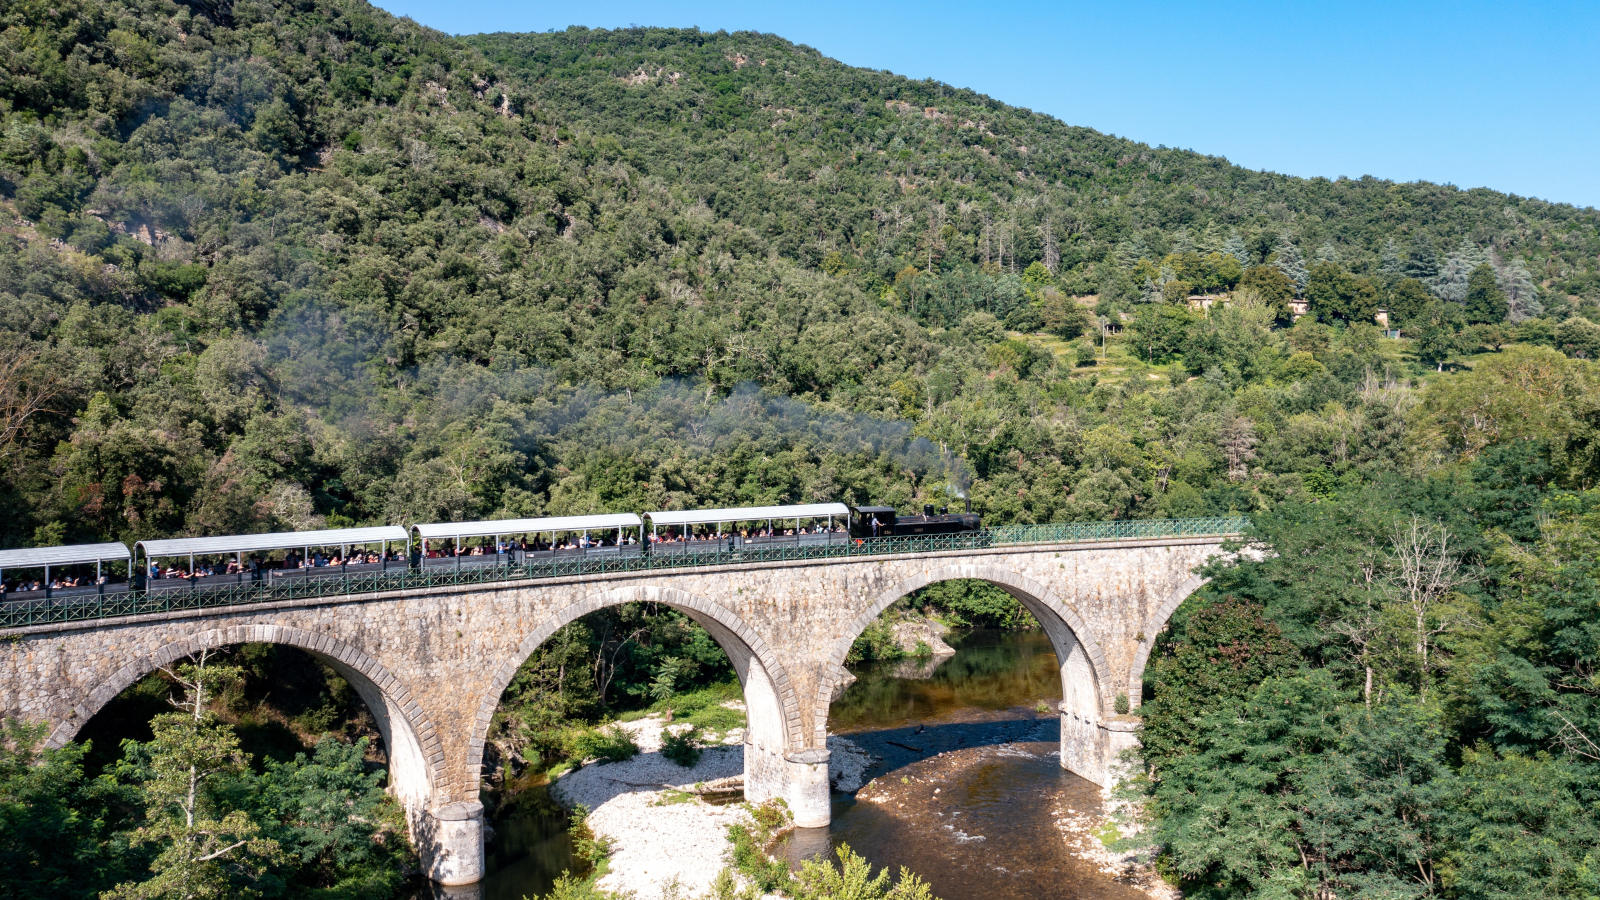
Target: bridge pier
449, 840
799, 778
1091, 749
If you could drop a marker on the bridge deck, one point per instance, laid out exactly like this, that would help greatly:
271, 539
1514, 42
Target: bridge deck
109, 601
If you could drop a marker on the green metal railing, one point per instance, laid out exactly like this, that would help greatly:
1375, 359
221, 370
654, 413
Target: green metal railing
160, 597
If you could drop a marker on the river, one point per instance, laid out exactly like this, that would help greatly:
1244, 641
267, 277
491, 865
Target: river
966, 791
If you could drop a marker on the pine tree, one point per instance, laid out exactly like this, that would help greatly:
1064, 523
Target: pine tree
1129, 252
1451, 282
1390, 265
1235, 248
1289, 261
1052, 253
1522, 292
1422, 263
1183, 240
1328, 252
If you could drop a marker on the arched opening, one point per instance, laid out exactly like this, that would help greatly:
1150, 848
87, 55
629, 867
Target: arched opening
770, 698
1141, 659
1084, 705
947, 662
633, 665
404, 743
301, 709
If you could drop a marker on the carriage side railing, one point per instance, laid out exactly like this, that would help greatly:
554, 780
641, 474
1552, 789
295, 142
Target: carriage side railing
166, 596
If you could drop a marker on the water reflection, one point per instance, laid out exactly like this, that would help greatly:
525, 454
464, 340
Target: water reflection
991, 670
530, 848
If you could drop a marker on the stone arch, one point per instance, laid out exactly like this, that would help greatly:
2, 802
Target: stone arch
416, 758
1084, 667
758, 667
1153, 627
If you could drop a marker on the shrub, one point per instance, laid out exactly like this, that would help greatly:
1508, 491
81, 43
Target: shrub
585, 844
852, 877
703, 708
749, 847
610, 744
683, 748
875, 643
570, 888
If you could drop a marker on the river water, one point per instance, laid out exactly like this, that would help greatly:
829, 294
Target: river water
965, 793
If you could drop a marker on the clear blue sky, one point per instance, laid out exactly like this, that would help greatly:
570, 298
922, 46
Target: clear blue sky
1502, 95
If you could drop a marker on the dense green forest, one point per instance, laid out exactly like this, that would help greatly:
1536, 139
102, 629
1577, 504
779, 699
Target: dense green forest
278, 265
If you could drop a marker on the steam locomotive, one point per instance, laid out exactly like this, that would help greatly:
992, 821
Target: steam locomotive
885, 521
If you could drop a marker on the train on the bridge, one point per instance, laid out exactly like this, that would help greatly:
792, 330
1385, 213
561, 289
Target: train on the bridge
60, 574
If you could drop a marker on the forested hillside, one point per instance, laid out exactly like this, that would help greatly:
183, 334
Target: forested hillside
274, 264
277, 265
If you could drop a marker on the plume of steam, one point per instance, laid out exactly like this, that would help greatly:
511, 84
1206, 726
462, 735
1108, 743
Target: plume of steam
327, 360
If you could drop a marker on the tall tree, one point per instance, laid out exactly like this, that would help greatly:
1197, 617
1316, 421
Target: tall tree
1522, 292
206, 851
1407, 300
1273, 288
1422, 263
1485, 302
1286, 256
1390, 265
1424, 573
1235, 247
1452, 281
1335, 294
54, 824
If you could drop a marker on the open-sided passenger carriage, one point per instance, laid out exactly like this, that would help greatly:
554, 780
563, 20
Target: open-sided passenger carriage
303, 556
611, 534
679, 524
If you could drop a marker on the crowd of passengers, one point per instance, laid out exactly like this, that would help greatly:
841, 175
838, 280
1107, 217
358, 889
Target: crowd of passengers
672, 537
57, 583
450, 550
293, 560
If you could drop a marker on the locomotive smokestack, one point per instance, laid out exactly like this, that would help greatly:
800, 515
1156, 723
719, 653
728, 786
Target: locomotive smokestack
969, 504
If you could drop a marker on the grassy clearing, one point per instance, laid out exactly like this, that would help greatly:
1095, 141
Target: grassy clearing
703, 709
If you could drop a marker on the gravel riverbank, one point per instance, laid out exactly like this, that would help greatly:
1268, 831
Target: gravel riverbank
1082, 830
661, 834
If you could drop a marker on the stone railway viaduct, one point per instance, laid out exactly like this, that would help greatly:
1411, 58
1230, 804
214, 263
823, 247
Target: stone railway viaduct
431, 664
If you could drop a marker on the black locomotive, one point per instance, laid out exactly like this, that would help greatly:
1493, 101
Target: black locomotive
885, 521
